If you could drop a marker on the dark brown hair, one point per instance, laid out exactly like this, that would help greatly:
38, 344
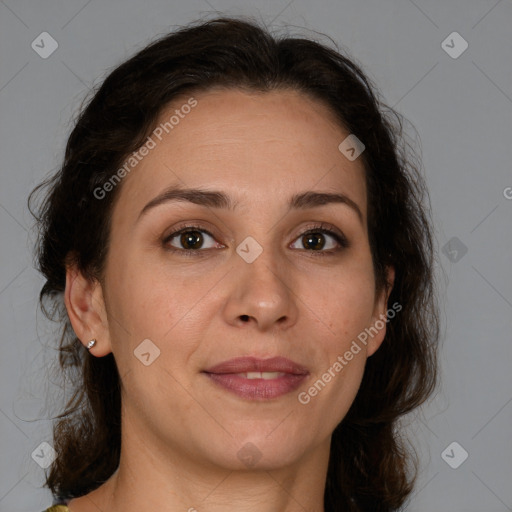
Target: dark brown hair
370, 465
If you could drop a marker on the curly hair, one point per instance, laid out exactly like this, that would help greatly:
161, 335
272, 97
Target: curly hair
371, 468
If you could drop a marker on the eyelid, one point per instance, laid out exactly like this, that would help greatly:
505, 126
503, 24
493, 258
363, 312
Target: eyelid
325, 226
189, 226
330, 230
183, 229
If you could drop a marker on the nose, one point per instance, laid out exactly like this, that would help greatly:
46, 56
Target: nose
261, 293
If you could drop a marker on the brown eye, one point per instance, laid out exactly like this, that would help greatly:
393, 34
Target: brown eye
314, 241
190, 240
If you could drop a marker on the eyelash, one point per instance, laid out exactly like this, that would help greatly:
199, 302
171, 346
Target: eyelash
318, 228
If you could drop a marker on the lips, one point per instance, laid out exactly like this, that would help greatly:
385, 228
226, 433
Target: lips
254, 364
258, 379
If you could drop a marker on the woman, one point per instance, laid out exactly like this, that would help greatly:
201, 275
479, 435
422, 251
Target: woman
238, 246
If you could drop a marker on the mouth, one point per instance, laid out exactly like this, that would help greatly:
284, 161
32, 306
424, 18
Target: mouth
258, 379
261, 375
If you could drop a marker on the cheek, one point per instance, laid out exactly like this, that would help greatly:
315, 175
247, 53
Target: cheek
143, 297
336, 381
150, 302
345, 304
346, 300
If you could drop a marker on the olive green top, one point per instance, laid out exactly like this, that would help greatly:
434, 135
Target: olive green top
57, 508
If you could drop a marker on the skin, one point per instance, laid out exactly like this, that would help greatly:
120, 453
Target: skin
181, 432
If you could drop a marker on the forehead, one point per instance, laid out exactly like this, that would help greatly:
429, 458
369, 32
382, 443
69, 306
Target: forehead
252, 145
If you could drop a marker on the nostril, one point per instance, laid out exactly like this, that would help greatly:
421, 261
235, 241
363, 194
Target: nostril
245, 318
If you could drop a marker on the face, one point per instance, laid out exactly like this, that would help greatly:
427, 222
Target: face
266, 277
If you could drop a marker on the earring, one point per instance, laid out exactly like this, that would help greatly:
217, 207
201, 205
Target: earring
91, 344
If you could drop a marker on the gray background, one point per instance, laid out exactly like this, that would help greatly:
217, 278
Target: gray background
462, 110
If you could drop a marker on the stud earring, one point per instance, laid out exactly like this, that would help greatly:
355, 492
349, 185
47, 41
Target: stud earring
91, 344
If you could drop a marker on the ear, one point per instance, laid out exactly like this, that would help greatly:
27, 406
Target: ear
377, 328
86, 310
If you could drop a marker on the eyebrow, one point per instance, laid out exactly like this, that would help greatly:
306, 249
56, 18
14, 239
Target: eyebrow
218, 199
